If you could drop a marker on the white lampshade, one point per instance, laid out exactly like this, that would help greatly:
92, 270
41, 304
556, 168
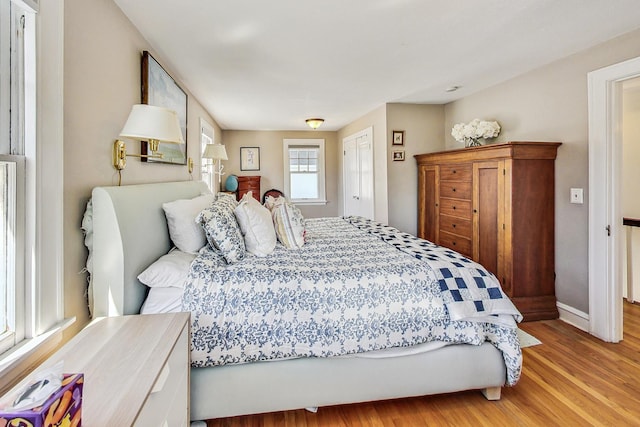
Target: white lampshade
215, 151
148, 122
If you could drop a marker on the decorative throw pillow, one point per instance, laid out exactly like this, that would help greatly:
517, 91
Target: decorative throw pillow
222, 230
185, 233
288, 222
227, 198
256, 226
169, 270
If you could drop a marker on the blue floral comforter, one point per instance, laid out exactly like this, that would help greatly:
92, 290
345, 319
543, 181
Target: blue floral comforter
345, 291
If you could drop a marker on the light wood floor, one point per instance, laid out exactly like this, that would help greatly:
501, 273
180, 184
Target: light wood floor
572, 379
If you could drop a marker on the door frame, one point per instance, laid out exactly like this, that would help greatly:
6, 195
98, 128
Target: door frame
368, 133
605, 221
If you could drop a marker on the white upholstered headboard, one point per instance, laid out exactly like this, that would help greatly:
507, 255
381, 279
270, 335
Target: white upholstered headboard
129, 233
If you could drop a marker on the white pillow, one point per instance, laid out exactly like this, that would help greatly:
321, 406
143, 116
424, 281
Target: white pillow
185, 233
256, 226
169, 270
288, 222
162, 300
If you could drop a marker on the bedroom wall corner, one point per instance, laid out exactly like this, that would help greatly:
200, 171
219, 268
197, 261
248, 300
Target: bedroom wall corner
272, 167
102, 57
423, 133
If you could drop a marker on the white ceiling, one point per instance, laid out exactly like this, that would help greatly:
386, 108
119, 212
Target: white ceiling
268, 65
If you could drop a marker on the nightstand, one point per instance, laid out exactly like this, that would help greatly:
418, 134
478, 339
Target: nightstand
136, 370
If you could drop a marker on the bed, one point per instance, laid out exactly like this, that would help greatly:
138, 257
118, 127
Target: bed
129, 232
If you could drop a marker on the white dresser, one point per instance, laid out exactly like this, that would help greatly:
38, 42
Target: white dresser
136, 370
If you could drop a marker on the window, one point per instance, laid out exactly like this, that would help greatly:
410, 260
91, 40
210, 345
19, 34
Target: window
18, 112
31, 189
206, 168
304, 175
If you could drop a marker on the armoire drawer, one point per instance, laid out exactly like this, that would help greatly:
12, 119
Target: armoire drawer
455, 189
456, 207
461, 172
459, 226
457, 243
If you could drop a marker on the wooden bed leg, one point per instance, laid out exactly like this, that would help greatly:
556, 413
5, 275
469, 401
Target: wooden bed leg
491, 393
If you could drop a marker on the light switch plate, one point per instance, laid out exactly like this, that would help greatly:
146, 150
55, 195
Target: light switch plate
577, 195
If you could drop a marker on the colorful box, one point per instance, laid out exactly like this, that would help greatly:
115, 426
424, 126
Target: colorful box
62, 408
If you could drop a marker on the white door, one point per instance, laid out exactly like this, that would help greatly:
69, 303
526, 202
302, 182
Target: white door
351, 178
365, 157
358, 174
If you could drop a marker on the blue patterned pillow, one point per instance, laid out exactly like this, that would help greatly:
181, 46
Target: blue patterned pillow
222, 230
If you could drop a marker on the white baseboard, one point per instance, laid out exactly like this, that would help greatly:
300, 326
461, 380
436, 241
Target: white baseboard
574, 317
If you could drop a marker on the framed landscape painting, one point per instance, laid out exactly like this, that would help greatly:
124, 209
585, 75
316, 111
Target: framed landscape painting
159, 88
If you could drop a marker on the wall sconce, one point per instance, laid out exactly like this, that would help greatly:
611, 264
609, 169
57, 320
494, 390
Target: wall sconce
150, 123
219, 153
314, 123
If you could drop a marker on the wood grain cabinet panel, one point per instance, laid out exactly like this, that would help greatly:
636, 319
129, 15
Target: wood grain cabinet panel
495, 204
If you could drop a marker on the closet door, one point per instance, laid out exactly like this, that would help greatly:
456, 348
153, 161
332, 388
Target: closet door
488, 217
351, 178
358, 175
365, 165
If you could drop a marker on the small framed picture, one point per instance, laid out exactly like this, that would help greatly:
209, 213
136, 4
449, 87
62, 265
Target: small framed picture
397, 138
249, 158
398, 155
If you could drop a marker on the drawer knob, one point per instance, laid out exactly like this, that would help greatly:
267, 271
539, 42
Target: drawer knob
454, 226
454, 208
475, 211
454, 190
454, 243
454, 171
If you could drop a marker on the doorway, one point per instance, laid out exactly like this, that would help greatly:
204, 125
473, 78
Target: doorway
606, 232
358, 174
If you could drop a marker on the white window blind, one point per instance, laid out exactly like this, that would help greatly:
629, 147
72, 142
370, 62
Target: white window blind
304, 170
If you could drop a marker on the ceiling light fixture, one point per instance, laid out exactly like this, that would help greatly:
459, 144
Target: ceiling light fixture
452, 88
314, 123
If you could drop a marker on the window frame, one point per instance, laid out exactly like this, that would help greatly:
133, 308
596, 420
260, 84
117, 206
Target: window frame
287, 144
207, 136
43, 185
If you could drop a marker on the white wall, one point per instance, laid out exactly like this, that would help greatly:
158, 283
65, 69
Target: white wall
102, 54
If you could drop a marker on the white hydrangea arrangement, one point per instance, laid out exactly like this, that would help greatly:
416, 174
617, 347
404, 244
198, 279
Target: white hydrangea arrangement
469, 133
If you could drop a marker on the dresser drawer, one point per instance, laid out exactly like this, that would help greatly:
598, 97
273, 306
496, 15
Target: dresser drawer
454, 189
456, 172
169, 398
457, 243
459, 226
456, 207
248, 180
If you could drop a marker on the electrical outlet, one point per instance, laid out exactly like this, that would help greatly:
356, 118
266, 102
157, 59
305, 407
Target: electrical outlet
577, 196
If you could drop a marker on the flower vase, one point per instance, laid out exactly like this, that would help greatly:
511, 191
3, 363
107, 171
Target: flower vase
474, 143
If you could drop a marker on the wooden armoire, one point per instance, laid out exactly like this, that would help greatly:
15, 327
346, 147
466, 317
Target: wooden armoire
495, 205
